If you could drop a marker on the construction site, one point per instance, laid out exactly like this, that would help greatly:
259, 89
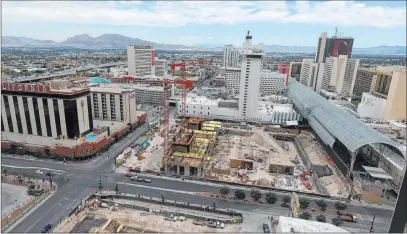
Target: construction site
236, 153
129, 215
268, 156
250, 155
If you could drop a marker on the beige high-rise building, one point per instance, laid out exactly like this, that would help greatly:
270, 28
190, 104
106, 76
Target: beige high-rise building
387, 97
141, 60
339, 75
363, 82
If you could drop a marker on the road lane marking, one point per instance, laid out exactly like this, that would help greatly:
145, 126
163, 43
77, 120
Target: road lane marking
157, 188
40, 168
40, 218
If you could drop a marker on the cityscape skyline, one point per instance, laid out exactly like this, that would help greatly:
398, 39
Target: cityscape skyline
211, 23
233, 117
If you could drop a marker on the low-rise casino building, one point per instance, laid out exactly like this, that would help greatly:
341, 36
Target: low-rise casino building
54, 119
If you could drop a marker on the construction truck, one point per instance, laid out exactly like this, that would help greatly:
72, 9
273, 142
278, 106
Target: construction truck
348, 217
304, 179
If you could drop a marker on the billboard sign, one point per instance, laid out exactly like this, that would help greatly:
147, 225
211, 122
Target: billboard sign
152, 58
33, 88
284, 69
339, 46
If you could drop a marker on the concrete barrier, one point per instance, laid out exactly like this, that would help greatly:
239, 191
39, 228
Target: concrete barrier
19, 212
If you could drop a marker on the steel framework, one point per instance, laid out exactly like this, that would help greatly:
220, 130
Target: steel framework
186, 84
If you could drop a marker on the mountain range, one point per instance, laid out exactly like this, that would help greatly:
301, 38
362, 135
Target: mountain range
120, 41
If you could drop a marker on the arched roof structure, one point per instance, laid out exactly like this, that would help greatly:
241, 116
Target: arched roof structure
331, 122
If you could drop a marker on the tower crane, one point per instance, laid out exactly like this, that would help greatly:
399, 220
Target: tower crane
186, 84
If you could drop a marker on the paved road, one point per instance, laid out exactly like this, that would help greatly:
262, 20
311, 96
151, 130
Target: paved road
79, 187
84, 180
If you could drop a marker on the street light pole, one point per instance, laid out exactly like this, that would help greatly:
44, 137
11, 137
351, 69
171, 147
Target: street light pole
371, 227
50, 181
100, 184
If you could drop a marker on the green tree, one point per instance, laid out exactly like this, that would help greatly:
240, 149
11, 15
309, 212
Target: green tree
337, 221
321, 218
162, 198
322, 204
271, 198
224, 190
286, 199
305, 215
4, 170
240, 194
255, 194
304, 203
340, 205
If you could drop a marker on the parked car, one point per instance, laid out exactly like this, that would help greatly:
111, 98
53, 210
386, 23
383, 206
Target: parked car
39, 172
46, 228
129, 175
171, 217
147, 180
197, 222
136, 178
181, 218
220, 225
266, 228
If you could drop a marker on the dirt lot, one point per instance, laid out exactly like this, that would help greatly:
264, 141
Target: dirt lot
134, 220
260, 148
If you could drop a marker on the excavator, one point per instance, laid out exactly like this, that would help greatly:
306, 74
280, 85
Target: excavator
304, 179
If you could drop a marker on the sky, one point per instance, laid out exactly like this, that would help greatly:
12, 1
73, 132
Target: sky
289, 23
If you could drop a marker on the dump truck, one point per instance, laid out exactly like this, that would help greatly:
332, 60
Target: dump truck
348, 217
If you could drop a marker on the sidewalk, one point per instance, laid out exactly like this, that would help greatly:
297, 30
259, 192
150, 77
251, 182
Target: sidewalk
172, 209
380, 206
248, 189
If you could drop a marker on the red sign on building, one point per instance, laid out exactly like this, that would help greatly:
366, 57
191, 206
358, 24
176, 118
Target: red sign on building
284, 69
34, 88
152, 58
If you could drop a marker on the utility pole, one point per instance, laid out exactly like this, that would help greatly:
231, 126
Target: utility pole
100, 184
371, 227
50, 181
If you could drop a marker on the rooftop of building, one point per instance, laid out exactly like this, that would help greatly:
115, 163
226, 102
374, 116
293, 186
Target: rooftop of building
129, 86
115, 90
287, 224
195, 99
386, 70
97, 80
142, 47
33, 88
237, 69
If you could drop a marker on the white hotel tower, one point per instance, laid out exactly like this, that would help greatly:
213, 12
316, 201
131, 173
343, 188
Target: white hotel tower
250, 78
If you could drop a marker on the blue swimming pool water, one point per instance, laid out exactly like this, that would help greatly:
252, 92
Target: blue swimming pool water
90, 137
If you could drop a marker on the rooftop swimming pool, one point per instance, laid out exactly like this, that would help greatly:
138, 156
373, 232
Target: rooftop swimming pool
91, 137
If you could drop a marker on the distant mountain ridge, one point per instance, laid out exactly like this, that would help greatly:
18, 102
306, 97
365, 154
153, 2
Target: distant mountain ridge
120, 41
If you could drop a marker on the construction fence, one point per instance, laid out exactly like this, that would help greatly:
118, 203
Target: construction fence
19, 211
105, 198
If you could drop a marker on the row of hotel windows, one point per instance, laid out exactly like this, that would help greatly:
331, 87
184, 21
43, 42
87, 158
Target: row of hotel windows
104, 107
24, 118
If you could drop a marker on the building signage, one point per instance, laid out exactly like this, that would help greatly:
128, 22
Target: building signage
152, 58
338, 47
34, 88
